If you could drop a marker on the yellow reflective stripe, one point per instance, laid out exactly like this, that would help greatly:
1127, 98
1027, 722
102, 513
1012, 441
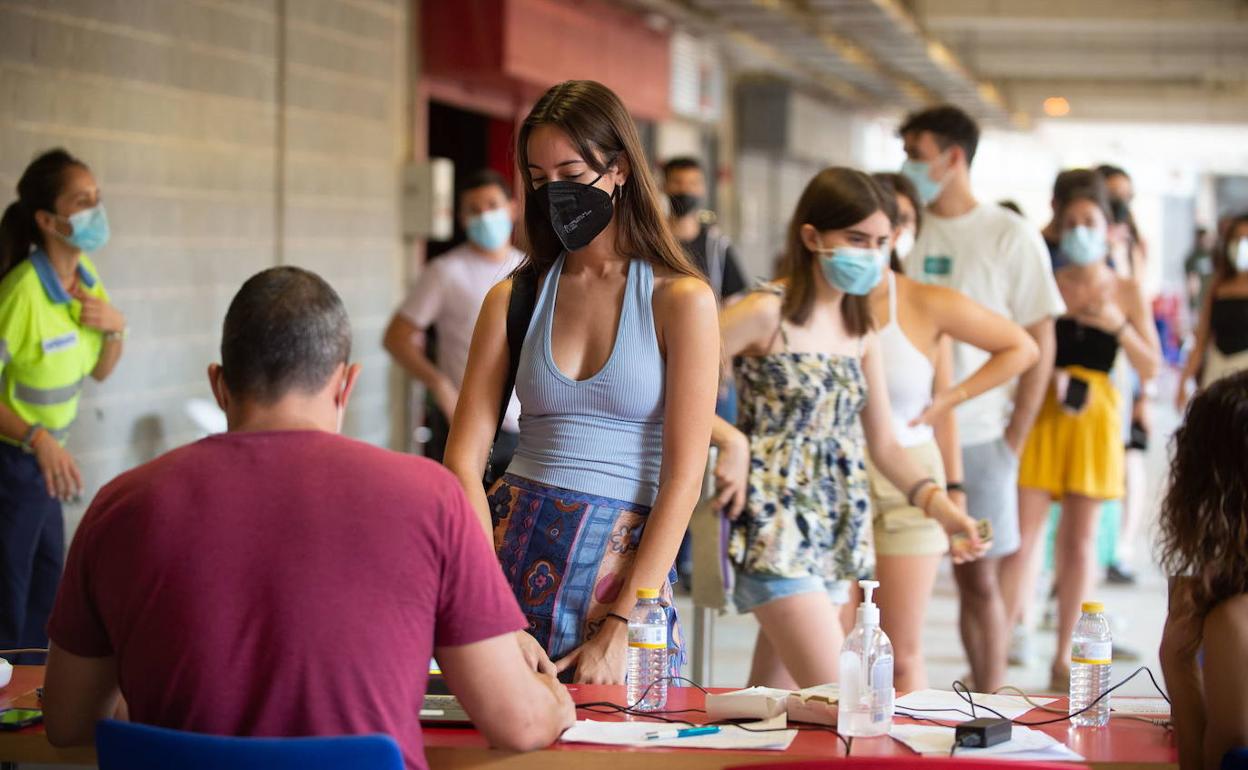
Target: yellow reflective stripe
46, 396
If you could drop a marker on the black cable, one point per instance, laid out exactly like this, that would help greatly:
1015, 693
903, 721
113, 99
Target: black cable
965, 694
967, 697
937, 722
801, 728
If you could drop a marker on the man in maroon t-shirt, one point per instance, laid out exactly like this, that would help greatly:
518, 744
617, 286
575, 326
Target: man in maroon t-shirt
282, 580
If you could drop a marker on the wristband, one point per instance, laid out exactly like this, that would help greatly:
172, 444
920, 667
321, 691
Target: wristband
955, 486
118, 335
28, 441
617, 616
914, 490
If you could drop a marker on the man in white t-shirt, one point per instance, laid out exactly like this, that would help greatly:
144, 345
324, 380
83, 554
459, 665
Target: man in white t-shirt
447, 298
999, 260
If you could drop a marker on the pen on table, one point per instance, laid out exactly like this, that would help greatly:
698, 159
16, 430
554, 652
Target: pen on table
687, 732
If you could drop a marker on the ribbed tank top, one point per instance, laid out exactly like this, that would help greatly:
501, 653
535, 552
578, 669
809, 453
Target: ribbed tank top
909, 374
602, 435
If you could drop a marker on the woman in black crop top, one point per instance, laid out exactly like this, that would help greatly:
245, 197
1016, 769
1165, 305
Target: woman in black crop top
1222, 333
1075, 451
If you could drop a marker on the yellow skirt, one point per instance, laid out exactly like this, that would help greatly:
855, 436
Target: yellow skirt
1077, 454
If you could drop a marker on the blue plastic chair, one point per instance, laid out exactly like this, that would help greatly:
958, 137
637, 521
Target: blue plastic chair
127, 746
1235, 759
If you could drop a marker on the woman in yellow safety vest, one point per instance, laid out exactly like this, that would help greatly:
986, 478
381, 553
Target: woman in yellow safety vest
56, 327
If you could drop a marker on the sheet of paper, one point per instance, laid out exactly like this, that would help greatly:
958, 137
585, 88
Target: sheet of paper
1159, 707
947, 706
729, 738
1024, 745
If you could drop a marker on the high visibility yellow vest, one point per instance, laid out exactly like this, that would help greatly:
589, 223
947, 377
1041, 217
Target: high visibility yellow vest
45, 353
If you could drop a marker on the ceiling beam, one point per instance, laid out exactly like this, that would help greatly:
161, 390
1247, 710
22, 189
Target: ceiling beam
937, 12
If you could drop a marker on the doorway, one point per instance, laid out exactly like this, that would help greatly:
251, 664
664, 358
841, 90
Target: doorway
472, 141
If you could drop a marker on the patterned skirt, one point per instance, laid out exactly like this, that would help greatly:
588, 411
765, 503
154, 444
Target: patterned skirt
566, 555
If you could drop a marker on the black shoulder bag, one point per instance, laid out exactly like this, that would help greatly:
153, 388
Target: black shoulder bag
519, 314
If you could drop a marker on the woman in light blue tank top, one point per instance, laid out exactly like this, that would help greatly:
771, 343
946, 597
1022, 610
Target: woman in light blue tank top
617, 381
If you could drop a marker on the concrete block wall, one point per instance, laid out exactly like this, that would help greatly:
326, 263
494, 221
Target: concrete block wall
227, 136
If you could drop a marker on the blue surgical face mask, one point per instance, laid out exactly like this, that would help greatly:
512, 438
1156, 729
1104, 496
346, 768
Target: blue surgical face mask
852, 270
1084, 245
919, 173
491, 229
1239, 255
90, 229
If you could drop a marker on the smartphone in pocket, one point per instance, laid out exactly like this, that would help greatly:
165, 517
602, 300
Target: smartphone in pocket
1076, 396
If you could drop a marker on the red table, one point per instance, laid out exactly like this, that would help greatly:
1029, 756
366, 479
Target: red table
1123, 745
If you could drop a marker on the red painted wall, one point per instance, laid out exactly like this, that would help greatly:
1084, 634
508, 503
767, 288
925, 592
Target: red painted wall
523, 47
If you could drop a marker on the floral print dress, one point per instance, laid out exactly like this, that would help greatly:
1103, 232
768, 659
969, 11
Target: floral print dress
808, 503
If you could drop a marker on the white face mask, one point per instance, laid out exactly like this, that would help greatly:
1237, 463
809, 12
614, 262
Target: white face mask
903, 244
1239, 254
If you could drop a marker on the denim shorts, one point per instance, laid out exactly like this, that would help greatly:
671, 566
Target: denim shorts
753, 590
990, 476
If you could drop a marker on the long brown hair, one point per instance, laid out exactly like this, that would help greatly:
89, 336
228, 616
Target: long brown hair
1223, 262
1204, 516
602, 131
835, 199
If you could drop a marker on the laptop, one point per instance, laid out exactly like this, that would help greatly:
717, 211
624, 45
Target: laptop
440, 707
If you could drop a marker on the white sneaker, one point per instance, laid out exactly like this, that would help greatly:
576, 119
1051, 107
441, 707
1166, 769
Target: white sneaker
1020, 647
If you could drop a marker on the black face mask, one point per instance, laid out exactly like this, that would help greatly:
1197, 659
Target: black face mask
577, 212
683, 203
1119, 210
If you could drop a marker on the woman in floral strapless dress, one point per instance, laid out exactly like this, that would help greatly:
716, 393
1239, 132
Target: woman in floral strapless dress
812, 401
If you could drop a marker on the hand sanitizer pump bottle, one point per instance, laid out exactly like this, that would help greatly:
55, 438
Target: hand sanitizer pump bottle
865, 706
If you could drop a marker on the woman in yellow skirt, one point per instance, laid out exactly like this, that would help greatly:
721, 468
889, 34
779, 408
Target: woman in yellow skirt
1074, 453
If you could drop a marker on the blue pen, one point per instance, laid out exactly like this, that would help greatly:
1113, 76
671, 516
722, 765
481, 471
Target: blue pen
687, 732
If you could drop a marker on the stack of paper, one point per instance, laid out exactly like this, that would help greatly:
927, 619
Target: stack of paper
753, 703
816, 705
729, 737
948, 706
1024, 745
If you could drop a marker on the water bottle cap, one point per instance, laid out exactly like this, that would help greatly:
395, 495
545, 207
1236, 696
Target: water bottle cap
647, 593
1093, 607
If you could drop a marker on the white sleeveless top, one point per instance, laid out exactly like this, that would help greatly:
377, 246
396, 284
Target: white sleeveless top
909, 374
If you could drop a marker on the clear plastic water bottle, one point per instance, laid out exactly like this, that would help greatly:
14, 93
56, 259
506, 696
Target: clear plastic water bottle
866, 674
647, 652
1091, 656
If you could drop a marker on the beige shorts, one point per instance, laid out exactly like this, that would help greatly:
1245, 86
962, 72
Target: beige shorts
900, 528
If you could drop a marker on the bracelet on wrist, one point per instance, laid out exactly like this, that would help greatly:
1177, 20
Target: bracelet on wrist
617, 616
117, 335
32, 435
954, 486
918, 485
